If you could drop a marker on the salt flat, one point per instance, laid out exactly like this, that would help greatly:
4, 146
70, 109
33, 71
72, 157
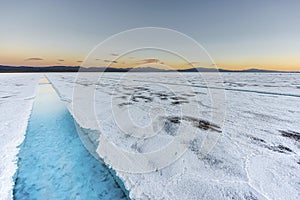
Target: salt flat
257, 119
17, 93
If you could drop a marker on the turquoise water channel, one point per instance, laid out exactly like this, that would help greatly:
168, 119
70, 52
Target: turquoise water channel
53, 163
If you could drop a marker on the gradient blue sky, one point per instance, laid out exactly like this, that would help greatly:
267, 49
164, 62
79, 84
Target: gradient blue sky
237, 34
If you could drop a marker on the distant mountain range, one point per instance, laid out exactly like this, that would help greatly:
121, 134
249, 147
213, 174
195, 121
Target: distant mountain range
7, 69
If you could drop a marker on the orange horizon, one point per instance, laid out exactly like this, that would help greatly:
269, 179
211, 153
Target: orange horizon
236, 64
292, 69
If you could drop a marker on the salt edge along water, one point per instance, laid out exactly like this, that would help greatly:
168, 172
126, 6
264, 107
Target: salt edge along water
53, 162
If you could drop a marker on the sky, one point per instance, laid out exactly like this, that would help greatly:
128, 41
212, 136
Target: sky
237, 34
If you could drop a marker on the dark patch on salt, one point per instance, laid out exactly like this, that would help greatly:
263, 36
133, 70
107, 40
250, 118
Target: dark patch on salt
125, 104
290, 134
203, 124
179, 102
280, 148
257, 139
136, 98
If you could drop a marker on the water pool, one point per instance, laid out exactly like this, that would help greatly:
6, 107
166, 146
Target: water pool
53, 163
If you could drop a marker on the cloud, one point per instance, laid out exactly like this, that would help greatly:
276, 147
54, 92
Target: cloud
150, 60
114, 54
110, 61
33, 59
61, 60
107, 61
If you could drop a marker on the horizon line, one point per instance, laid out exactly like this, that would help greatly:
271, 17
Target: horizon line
183, 69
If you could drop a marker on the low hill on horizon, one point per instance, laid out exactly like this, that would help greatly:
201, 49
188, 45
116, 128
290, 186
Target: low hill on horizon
14, 69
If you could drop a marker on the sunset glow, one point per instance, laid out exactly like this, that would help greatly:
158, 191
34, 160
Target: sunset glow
237, 35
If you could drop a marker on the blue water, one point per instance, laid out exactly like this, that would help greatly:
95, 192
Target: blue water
53, 163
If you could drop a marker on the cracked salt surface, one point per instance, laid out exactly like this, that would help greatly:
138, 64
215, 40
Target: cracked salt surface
257, 156
17, 93
53, 163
